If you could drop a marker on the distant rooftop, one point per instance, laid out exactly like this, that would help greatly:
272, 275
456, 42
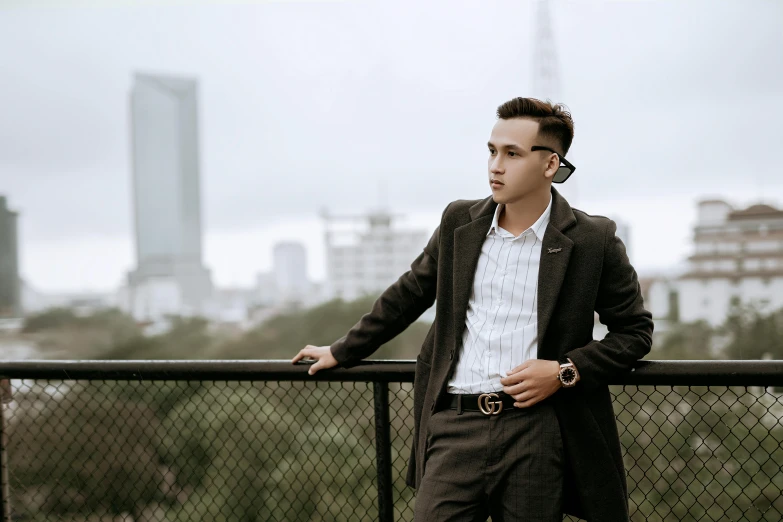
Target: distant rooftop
757, 211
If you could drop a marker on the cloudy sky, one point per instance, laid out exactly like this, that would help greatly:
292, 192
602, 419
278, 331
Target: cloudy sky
348, 105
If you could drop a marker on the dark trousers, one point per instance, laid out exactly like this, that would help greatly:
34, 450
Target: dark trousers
508, 466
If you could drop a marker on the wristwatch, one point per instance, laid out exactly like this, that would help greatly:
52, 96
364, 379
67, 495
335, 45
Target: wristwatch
568, 374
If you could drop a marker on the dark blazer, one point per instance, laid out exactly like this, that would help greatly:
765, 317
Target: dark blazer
590, 273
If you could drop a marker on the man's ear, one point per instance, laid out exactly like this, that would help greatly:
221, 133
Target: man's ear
552, 167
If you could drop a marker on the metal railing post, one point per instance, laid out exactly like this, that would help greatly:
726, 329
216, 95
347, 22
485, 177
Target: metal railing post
5, 488
383, 452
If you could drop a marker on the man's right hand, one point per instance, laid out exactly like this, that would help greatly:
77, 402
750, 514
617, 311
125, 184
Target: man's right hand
322, 355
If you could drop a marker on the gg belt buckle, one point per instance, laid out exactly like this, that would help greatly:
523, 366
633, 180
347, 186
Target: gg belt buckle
487, 406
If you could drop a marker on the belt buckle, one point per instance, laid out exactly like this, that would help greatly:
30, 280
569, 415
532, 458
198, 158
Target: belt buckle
487, 406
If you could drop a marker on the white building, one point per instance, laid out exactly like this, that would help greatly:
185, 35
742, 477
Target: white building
737, 259
287, 285
266, 289
369, 255
154, 298
290, 272
166, 198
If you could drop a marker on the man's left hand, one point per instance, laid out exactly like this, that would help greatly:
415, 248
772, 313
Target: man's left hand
532, 381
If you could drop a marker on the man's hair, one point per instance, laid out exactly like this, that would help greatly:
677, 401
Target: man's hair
554, 120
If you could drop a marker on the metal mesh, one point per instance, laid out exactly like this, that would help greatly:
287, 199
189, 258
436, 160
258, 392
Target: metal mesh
163, 451
401, 420
258, 451
702, 453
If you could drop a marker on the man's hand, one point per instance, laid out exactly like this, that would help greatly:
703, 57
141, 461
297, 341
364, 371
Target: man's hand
322, 355
532, 381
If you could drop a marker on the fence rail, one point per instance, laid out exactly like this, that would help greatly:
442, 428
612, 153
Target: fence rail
264, 440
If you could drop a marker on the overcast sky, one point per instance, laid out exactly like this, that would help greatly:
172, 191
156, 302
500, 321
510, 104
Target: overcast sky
312, 104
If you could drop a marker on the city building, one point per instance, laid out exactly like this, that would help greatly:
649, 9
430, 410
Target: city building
368, 255
10, 287
290, 272
266, 290
287, 285
169, 277
737, 260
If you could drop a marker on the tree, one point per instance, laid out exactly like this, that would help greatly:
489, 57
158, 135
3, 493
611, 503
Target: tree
274, 451
699, 453
61, 334
282, 336
74, 451
188, 338
754, 335
688, 341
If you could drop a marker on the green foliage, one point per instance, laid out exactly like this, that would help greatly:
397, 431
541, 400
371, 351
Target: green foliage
88, 453
188, 338
282, 336
754, 335
697, 453
113, 320
751, 334
60, 333
49, 320
305, 451
273, 451
685, 341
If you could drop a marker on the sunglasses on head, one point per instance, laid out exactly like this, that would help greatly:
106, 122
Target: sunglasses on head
566, 168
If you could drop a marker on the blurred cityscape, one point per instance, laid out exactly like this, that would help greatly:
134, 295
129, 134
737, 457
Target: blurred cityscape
730, 284
260, 112
736, 263
365, 253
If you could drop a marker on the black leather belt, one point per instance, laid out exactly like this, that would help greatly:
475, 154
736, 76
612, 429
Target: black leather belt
486, 403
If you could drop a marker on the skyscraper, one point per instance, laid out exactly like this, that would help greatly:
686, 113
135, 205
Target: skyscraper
166, 198
10, 301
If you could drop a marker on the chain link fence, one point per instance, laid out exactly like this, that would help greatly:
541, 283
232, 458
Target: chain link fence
182, 449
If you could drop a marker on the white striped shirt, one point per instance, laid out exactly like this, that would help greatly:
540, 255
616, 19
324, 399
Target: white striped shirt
501, 324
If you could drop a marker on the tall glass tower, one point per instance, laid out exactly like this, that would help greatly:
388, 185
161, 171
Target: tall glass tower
166, 196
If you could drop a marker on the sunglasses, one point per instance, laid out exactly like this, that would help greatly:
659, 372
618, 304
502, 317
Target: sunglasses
566, 168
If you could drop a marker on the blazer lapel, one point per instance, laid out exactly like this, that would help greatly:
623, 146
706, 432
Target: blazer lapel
468, 240
555, 254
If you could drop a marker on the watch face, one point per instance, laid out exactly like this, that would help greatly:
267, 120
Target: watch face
568, 375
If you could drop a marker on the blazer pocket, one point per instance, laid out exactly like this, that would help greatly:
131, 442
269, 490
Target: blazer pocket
421, 377
422, 369
427, 346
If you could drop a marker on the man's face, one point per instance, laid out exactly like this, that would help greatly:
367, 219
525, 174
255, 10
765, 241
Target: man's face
512, 163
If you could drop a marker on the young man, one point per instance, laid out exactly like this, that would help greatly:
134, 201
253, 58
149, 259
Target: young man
512, 412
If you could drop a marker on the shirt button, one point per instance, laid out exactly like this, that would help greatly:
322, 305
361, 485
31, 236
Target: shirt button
451, 354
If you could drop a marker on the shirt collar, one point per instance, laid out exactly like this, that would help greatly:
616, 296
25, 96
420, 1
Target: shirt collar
539, 227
